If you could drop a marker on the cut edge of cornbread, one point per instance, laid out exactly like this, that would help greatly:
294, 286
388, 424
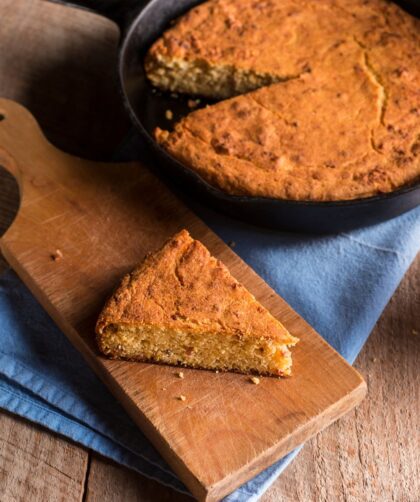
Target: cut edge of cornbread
182, 307
200, 78
202, 350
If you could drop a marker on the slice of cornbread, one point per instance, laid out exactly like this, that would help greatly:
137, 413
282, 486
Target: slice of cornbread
181, 306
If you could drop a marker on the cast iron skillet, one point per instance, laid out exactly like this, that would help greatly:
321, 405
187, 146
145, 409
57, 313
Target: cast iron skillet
141, 23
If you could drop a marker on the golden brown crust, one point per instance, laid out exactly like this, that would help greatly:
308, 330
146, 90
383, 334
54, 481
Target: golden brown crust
265, 36
347, 126
182, 287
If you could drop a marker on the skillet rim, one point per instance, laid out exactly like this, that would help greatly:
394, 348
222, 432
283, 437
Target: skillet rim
126, 38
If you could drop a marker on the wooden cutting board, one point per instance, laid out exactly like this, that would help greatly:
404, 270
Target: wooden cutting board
81, 225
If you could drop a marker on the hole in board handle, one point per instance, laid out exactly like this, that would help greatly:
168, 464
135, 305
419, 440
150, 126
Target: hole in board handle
2, 116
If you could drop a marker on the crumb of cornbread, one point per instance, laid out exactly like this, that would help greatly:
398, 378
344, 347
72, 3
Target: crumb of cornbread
181, 306
57, 255
341, 119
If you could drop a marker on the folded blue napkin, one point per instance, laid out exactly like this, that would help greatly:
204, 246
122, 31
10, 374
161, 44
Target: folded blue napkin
340, 284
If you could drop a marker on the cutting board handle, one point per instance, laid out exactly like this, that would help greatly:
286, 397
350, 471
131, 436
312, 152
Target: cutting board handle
36, 164
22, 144
24, 150
27, 154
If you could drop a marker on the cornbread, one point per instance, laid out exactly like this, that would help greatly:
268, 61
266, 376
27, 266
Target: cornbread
181, 306
336, 113
57, 255
222, 47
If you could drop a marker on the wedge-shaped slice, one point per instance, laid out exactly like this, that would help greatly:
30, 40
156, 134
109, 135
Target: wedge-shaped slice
181, 306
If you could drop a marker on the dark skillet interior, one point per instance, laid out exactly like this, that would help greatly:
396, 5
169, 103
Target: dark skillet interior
147, 108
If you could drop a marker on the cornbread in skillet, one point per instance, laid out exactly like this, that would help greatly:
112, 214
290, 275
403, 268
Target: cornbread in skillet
226, 47
342, 120
181, 306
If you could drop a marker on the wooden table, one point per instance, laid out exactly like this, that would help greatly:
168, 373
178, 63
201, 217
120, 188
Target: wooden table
60, 64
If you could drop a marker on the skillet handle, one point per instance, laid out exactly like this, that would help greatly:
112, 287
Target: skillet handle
122, 12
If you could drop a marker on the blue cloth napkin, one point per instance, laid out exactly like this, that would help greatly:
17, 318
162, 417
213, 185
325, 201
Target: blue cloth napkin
340, 284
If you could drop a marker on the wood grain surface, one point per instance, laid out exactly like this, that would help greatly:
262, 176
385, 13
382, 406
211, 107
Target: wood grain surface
357, 459
51, 469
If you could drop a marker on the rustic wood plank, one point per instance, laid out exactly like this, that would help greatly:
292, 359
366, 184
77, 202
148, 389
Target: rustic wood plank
60, 62
38, 466
111, 482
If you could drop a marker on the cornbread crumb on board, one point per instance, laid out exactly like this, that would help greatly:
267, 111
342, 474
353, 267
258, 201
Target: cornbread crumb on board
255, 380
181, 306
332, 109
182, 398
57, 255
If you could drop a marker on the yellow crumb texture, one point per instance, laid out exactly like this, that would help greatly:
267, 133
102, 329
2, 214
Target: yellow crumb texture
57, 255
